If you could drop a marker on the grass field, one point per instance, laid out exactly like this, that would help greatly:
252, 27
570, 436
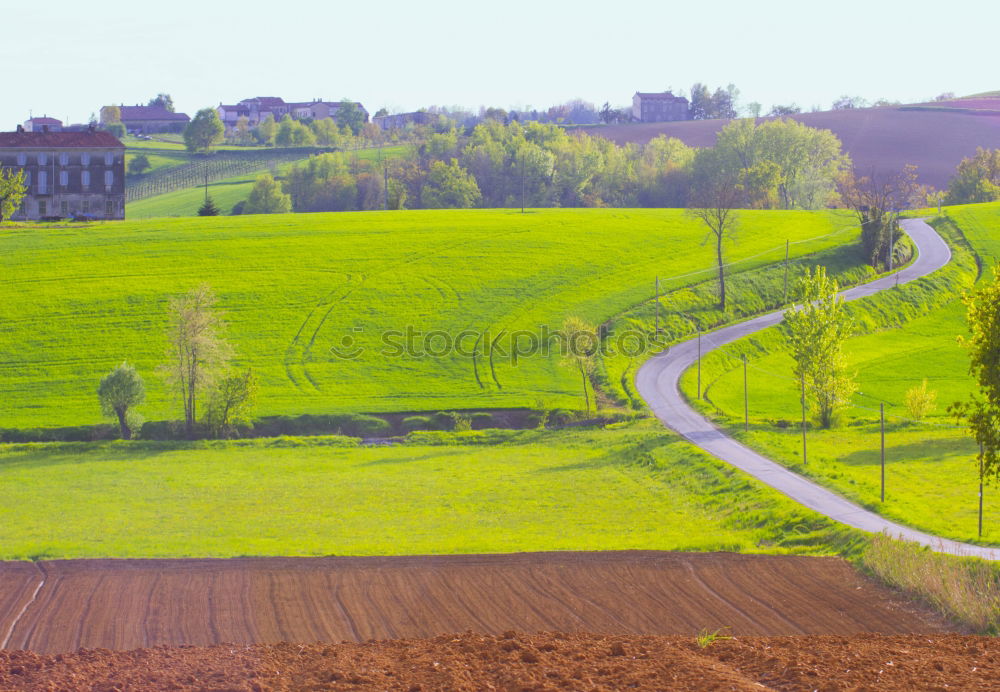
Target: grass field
931, 475
81, 299
632, 488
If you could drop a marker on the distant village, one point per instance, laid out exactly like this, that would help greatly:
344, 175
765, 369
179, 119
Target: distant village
78, 170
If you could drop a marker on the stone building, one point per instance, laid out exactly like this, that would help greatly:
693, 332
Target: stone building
45, 124
144, 120
256, 110
67, 173
659, 107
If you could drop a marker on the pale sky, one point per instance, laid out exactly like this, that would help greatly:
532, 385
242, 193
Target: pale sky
67, 59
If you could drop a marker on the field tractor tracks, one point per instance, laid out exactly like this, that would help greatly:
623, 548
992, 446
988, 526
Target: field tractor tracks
30, 602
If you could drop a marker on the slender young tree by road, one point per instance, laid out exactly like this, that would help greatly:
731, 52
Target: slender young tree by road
982, 411
120, 391
580, 346
715, 199
816, 333
198, 354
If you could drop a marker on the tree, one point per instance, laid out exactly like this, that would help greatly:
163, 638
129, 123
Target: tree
715, 197
449, 186
877, 200
816, 332
981, 413
350, 115
12, 191
198, 354
846, 102
243, 134
208, 208
266, 130
116, 129
232, 403
780, 110
110, 114
120, 392
139, 164
977, 179
204, 131
580, 346
292, 133
163, 101
266, 197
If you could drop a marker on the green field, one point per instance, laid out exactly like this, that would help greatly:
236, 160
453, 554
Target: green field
632, 488
931, 475
81, 299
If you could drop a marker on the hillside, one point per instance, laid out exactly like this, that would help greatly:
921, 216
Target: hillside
295, 288
934, 137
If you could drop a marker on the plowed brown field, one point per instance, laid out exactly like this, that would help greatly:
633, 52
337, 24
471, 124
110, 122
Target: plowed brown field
127, 604
513, 661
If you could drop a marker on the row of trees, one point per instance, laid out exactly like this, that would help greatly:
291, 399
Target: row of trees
197, 369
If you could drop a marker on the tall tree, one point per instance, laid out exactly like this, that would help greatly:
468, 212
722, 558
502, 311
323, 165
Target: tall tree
816, 332
350, 115
977, 179
120, 391
580, 346
204, 131
715, 197
877, 199
198, 353
449, 186
266, 130
12, 191
981, 413
162, 101
110, 115
232, 403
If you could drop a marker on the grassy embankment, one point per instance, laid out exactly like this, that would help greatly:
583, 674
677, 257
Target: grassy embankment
84, 298
904, 337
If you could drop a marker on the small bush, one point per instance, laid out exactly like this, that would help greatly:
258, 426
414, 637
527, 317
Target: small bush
411, 423
537, 419
919, 401
561, 416
481, 421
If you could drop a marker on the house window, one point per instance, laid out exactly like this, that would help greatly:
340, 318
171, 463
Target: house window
85, 159
85, 179
42, 209
43, 159
43, 182
109, 159
64, 208
64, 178
64, 159
109, 178
109, 209
27, 179
86, 207
22, 159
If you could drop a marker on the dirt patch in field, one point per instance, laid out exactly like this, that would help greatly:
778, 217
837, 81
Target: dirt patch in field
546, 661
130, 604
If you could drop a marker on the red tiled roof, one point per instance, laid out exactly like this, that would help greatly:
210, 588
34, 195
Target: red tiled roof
150, 113
45, 121
58, 140
266, 100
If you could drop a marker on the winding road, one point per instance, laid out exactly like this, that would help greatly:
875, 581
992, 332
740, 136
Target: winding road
658, 383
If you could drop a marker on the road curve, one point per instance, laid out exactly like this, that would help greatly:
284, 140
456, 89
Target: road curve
658, 383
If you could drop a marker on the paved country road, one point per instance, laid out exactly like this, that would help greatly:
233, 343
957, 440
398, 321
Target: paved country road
657, 382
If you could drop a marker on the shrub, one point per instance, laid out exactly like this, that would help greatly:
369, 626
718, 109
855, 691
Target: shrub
537, 419
162, 430
482, 420
919, 401
561, 416
450, 420
411, 423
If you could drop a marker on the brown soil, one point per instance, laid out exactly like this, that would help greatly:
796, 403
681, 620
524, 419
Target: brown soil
130, 604
548, 661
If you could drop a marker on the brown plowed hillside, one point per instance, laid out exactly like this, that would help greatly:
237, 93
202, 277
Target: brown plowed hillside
126, 604
546, 661
881, 138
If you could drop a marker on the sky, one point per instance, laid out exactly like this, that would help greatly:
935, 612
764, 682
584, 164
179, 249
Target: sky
67, 59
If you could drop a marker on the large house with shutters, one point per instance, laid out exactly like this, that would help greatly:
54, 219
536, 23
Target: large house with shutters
67, 173
659, 107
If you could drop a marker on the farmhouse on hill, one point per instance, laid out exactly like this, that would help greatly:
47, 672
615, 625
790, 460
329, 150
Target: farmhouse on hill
44, 124
67, 173
144, 120
257, 109
659, 107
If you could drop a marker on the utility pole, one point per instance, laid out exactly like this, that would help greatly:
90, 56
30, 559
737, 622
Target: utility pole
522, 182
882, 411
785, 298
206, 183
385, 171
657, 299
699, 363
980, 489
804, 457
746, 398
